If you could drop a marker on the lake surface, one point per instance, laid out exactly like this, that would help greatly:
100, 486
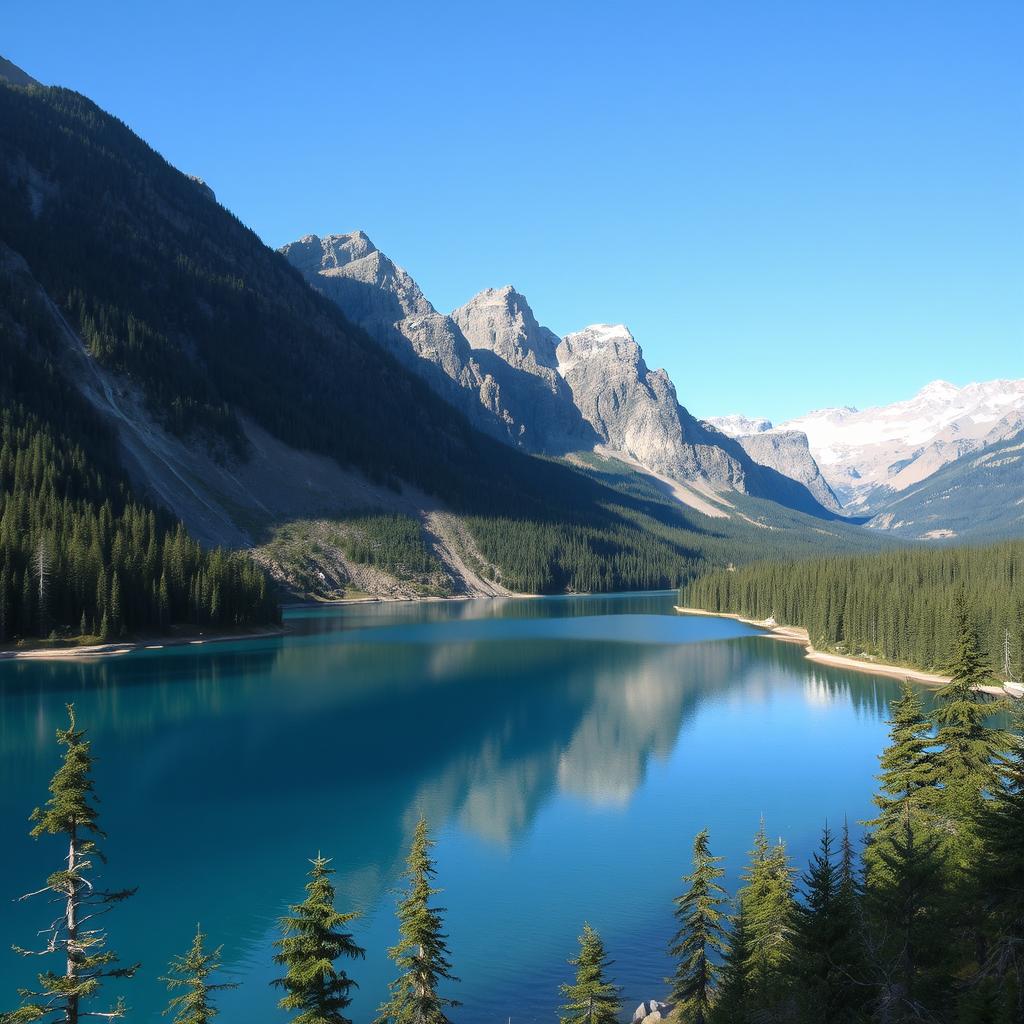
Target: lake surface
565, 751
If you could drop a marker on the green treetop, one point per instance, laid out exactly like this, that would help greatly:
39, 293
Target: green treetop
908, 774
826, 938
592, 998
71, 814
733, 1000
192, 972
768, 902
700, 936
1000, 874
312, 940
968, 749
422, 951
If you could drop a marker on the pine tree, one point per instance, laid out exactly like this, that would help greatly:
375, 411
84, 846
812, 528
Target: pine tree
192, 972
908, 772
422, 951
733, 1002
768, 902
966, 772
908, 932
71, 813
965, 762
826, 936
701, 935
592, 998
1000, 874
312, 940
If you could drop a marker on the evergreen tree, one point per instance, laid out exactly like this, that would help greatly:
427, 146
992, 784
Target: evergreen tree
71, 813
700, 936
908, 772
192, 972
592, 998
999, 874
312, 940
826, 937
422, 951
965, 763
967, 774
768, 903
908, 937
733, 1004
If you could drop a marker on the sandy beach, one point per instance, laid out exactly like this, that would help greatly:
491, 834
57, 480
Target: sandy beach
797, 634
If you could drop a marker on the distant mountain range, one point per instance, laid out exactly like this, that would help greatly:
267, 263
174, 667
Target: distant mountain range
881, 462
522, 384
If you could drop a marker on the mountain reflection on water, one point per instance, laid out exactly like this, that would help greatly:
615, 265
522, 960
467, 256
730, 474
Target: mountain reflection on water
508, 723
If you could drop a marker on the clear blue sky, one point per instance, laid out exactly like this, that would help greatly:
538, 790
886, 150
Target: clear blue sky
791, 204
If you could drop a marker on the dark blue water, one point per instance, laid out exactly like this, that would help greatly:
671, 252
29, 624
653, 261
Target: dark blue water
565, 751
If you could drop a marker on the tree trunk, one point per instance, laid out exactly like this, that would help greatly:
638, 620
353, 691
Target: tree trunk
71, 921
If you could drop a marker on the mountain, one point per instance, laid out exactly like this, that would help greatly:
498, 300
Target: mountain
977, 497
14, 75
785, 451
738, 425
871, 456
518, 381
789, 453
161, 365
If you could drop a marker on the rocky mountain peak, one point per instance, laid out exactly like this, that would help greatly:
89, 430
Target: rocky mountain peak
313, 254
738, 425
501, 320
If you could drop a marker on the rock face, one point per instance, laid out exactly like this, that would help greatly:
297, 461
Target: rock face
521, 354
388, 304
650, 1011
521, 383
789, 452
490, 358
635, 410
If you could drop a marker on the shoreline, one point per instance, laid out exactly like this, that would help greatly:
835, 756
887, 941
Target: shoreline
799, 635
107, 650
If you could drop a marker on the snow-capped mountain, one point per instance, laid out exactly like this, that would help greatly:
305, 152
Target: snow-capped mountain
738, 425
868, 456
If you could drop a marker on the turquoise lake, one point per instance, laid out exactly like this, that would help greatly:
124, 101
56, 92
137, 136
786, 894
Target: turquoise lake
564, 750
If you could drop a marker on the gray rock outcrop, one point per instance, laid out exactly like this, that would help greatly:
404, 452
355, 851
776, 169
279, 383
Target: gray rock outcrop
650, 1011
788, 452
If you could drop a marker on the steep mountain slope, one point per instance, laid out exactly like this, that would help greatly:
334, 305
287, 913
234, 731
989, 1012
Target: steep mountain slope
788, 452
869, 456
538, 392
979, 496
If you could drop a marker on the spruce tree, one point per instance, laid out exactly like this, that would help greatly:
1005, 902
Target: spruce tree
422, 951
1000, 874
965, 762
733, 1001
71, 813
768, 902
907, 915
966, 772
908, 772
592, 998
701, 935
312, 940
192, 972
826, 937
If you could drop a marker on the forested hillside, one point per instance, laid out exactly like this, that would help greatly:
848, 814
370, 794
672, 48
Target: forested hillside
79, 555
898, 606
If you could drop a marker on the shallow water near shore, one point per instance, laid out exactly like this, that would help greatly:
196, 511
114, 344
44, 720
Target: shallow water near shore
565, 751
